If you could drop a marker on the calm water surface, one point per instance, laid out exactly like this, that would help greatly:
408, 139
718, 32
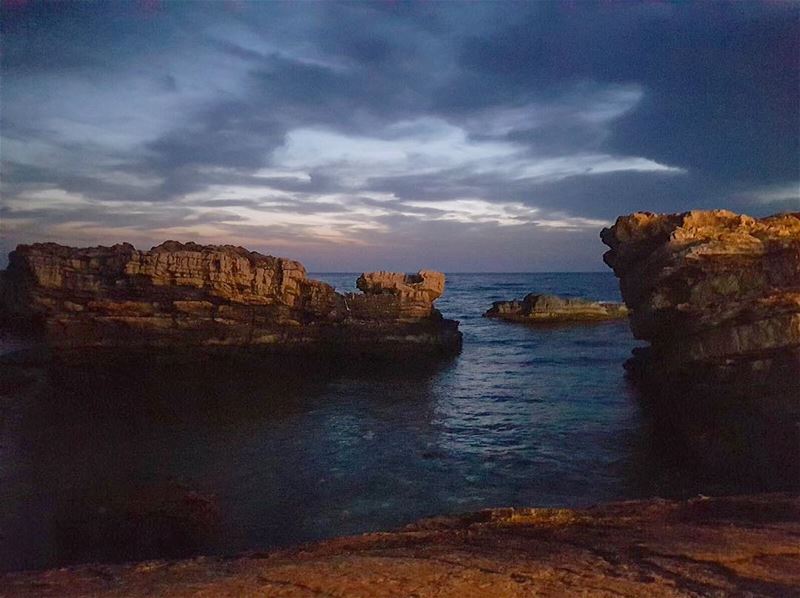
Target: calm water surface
140, 463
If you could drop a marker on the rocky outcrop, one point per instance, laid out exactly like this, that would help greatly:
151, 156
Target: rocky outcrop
189, 296
710, 288
743, 546
411, 294
552, 309
717, 295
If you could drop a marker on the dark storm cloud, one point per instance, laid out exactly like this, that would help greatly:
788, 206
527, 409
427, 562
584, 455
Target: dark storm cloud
81, 37
559, 137
229, 133
722, 81
281, 93
604, 195
533, 112
447, 184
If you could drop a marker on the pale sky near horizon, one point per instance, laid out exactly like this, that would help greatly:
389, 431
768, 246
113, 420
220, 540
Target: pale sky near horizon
392, 135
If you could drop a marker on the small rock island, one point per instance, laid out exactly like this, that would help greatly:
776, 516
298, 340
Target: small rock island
539, 309
184, 297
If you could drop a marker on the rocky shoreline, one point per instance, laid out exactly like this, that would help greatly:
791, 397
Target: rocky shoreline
188, 298
701, 547
716, 295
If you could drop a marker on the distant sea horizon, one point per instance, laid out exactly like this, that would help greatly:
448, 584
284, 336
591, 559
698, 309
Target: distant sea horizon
448, 272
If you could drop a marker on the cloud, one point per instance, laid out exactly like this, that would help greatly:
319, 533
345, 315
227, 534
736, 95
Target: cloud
721, 82
416, 130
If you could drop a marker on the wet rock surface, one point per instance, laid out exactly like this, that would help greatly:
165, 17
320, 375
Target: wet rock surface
189, 296
534, 308
717, 296
702, 547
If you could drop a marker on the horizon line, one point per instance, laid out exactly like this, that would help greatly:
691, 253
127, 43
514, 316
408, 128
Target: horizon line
609, 271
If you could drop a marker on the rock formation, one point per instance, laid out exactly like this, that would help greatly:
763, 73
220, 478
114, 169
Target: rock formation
745, 546
551, 309
188, 296
717, 295
412, 294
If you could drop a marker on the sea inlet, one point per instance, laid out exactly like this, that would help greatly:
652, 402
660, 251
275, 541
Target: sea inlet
134, 461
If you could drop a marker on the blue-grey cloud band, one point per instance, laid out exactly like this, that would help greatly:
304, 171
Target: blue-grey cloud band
456, 136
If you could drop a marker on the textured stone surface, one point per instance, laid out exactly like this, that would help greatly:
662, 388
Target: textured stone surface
708, 287
190, 296
414, 293
717, 296
550, 308
704, 547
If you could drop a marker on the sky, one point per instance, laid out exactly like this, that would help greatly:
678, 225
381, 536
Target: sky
480, 136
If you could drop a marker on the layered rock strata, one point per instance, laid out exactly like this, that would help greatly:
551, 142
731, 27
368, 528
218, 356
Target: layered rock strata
535, 308
703, 547
192, 296
717, 296
411, 295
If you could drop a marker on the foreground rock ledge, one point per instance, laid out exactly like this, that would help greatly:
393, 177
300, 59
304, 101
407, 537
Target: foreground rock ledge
535, 309
702, 547
184, 296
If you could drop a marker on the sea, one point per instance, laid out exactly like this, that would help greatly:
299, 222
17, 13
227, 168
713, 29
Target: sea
130, 464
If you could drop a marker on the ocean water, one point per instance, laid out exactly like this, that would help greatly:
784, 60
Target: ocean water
133, 463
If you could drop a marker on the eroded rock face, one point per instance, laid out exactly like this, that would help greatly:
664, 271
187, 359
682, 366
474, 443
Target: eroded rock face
189, 295
551, 308
717, 295
405, 296
709, 286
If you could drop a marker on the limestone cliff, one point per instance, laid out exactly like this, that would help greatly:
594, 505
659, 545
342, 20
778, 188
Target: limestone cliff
535, 308
416, 292
192, 296
717, 296
710, 287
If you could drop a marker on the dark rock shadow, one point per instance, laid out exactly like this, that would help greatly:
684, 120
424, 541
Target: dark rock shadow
132, 458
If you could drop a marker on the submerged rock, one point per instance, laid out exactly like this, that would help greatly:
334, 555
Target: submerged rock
717, 295
551, 308
744, 546
189, 296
